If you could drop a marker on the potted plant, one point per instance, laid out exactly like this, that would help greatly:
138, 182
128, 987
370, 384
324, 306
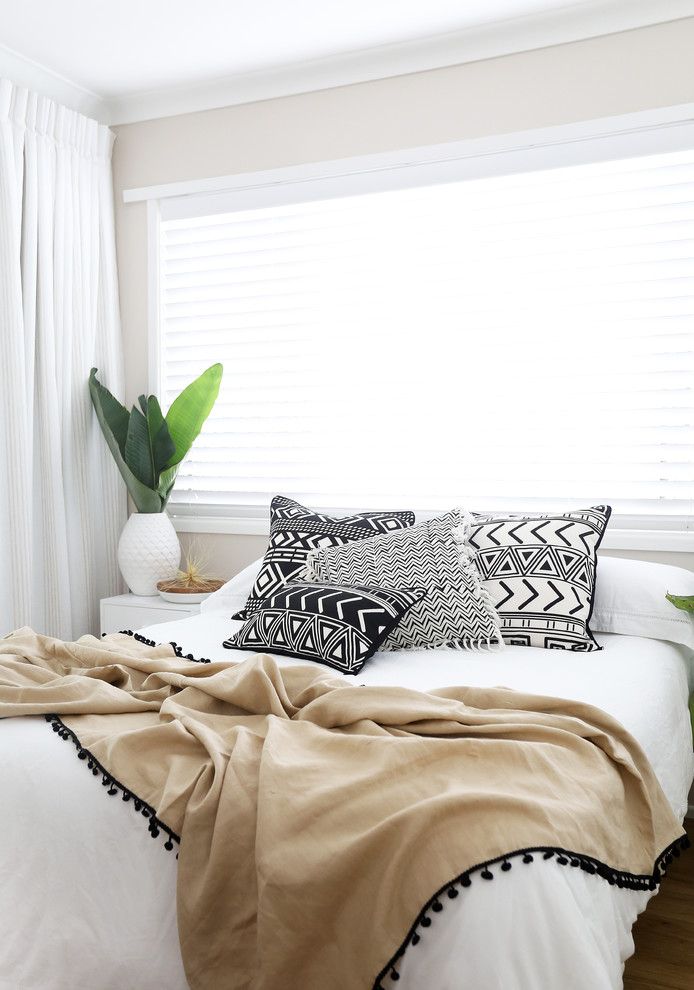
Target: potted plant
148, 449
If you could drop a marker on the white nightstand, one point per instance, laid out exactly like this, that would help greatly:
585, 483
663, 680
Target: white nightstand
134, 612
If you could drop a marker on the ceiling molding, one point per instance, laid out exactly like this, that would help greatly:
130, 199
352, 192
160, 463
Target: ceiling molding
576, 22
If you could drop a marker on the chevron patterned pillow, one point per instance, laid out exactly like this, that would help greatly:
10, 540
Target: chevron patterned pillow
333, 624
296, 530
457, 612
540, 571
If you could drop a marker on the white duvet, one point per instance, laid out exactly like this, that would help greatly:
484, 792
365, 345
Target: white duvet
87, 898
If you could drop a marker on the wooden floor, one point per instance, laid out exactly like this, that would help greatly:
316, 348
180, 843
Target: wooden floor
664, 933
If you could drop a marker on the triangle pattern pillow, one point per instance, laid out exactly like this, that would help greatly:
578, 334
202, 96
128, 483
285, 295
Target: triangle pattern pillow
336, 625
296, 530
540, 571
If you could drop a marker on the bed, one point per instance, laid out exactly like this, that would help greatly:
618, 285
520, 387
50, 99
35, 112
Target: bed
90, 900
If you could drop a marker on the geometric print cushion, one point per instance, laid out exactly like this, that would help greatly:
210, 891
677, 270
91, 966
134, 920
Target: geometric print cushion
457, 612
540, 572
333, 624
296, 530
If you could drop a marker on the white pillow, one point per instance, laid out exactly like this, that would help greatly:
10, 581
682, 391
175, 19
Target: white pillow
239, 587
630, 599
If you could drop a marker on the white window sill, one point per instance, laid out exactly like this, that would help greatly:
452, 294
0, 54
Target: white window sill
615, 538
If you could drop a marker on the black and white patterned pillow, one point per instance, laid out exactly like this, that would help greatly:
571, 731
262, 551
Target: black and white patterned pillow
540, 572
457, 612
296, 530
333, 624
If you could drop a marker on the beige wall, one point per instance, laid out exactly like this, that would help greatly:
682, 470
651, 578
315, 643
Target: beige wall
616, 74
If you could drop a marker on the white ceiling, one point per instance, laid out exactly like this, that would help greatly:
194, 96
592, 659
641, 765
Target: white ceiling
141, 58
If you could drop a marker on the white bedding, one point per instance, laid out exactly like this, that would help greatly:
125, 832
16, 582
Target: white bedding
82, 867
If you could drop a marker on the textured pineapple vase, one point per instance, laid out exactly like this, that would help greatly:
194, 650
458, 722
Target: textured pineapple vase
148, 551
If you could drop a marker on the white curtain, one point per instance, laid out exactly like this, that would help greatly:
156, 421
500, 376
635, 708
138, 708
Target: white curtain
62, 503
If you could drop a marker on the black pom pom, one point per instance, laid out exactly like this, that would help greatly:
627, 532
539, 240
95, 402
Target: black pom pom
527, 858
425, 922
452, 892
487, 875
505, 866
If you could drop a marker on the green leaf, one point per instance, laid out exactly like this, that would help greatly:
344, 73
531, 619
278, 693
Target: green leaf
167, 480
189, 411
138, 455
114, 426
685, 602
162, 446
113, 417
149, 445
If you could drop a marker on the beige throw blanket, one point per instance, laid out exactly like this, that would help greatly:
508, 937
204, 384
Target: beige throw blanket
317, 818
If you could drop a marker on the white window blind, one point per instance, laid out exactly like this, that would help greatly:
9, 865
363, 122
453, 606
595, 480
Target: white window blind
522, 341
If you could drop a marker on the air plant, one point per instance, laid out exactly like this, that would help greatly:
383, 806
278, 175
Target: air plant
192, 579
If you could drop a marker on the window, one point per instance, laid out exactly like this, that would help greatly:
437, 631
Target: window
511, 330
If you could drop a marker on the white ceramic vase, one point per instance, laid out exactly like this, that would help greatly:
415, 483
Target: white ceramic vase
148, 551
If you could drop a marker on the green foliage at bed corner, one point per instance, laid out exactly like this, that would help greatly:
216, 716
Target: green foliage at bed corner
147, 446
685, 602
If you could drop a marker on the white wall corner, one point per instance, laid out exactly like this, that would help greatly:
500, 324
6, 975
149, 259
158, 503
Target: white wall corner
37, 78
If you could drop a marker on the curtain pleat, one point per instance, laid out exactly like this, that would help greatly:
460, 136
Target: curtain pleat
62, 504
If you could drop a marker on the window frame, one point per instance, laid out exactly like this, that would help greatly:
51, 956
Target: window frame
642, 133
